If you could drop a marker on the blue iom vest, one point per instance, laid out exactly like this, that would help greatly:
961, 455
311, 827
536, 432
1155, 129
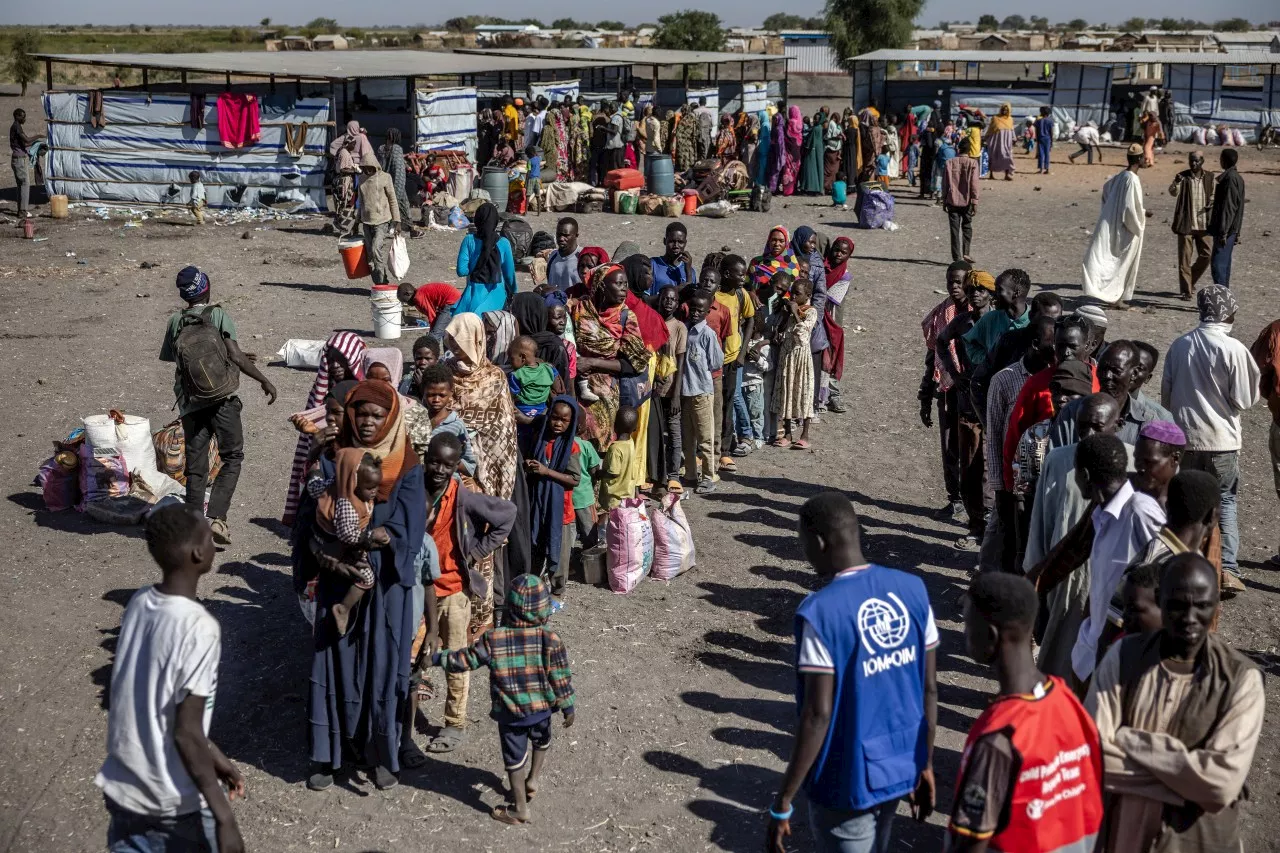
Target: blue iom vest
872, 623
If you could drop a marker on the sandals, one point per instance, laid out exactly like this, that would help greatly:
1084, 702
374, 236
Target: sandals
783, 443
449, 739
411, 756
502, 814
800, 444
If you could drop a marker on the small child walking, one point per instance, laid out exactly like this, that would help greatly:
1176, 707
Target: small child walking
913, 159
840, 191
529, 680
341, 540
882, 167
793, 384
198, 204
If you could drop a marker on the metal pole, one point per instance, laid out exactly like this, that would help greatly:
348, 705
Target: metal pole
146, 81
48, 75
346, 102
786, 80
655, 86
228, 79
272, 84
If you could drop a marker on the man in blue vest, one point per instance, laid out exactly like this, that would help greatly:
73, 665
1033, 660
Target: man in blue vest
866, 692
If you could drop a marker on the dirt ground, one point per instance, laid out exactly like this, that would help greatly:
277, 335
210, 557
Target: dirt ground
684, 688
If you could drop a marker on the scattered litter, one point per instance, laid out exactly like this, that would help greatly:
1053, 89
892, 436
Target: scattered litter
246, 236
71, 254
147, 265
143, 295
82, 263
38, 239
133, 224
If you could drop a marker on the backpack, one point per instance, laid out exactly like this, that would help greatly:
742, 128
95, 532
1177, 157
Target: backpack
204, 364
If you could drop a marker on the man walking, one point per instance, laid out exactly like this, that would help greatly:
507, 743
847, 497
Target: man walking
20, 159
1209, 379
1266, 352
1192, 189
1179, 713
866, 690
1111, 261
960, 199
1227, 217
1089, 141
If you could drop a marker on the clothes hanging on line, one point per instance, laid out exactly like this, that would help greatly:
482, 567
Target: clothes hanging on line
295, 138
97, 118
197, 110
238, 119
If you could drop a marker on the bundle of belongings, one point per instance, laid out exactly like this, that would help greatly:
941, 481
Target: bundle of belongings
115, 471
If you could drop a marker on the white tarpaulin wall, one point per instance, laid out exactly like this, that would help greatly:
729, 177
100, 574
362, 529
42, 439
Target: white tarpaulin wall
1026, 103
1083, 92
148, 148
1199, 99
712, 95
445, 119
755, 97
555, 92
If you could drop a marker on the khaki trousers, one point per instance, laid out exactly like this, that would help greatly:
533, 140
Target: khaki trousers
699, 431
1194, 252
455, 616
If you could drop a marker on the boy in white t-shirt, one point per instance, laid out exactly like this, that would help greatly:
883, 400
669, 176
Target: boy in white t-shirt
162, 780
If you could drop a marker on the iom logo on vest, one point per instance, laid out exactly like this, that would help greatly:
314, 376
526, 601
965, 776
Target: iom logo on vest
887, 626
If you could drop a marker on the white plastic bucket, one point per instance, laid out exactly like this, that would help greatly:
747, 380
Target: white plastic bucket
387, 314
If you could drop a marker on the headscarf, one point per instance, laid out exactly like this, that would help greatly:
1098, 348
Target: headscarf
833, 356
389, 357
981, 278
546, 496
1004, 119
530, 311
802, 236
345, 479
626, 249
504, 332
341, 391
583, 288
836, 273
487, 268
192, 283
762, 147
352, 349
652, 327
391, 442
605, 332
795, 125
481, 398
764, 267
354, 141
1216, 303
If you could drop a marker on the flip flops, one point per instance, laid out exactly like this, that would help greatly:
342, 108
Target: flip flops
504, 815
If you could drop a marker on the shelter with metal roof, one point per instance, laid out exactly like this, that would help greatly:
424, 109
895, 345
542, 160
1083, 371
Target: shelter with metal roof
1240, 89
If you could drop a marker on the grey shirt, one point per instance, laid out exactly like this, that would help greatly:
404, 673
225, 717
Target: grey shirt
702, 357
562, 270
1141, 409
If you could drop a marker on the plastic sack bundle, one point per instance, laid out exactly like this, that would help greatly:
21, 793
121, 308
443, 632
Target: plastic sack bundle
875, 208
398, 257
673, 551
60, 485
103, 473
299, 352
629, 537
458, 219
716, 209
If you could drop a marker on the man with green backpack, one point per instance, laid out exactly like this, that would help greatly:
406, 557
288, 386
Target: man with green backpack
201, 341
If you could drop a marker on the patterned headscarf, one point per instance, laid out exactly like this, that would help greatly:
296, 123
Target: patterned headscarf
1217, 304
764, 267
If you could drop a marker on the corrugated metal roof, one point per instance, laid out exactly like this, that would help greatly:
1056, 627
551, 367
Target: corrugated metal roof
627, 55
1082, 57
327, 65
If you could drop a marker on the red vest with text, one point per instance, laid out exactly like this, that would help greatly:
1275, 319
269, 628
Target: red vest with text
1056, 800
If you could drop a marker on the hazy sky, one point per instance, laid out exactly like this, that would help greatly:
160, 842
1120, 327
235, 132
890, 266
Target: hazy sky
733, 12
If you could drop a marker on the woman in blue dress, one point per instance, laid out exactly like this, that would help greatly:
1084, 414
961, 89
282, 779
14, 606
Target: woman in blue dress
486, 260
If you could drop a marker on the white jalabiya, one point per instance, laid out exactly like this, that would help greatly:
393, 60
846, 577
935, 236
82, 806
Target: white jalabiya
1111, 263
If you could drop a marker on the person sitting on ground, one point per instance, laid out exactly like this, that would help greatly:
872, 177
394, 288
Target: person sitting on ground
529, 679
531, 379
164, 779
1034, 722
426, 354
435, 301
618, 481
341, 538
1179, 712
840, 192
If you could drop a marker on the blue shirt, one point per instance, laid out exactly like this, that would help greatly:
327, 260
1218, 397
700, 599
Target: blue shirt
678, 274
702, 356
882, 164
839, 192
535, 168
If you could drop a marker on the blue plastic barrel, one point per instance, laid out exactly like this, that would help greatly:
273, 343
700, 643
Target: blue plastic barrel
494, 181
659, 174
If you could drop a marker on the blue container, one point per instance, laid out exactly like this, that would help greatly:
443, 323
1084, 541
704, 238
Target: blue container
659, 174
495, 181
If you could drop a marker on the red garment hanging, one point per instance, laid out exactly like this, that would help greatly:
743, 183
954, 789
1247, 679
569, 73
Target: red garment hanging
238, 119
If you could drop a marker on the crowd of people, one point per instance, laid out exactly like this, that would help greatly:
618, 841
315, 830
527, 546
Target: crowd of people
435, 508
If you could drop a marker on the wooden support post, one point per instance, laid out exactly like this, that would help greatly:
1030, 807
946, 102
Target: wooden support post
146, 79
228, 79
346, 103
271, 87
786, 80
48, 75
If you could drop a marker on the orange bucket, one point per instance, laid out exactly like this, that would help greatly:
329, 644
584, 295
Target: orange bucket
691, 204
353, 259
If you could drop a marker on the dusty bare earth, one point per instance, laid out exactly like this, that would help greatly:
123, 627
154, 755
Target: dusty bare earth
684, 688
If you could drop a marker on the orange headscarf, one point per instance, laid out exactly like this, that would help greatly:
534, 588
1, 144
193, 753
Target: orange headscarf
348, 461
390, 442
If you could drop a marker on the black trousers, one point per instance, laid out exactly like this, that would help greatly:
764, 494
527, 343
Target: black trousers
926, 173
948, 429
222, 419
1007, 508
961, 219
728, 436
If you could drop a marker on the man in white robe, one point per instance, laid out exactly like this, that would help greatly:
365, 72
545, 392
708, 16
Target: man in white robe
1111, 263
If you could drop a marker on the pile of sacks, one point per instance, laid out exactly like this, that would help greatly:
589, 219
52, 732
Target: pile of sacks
114, 470
644, 538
